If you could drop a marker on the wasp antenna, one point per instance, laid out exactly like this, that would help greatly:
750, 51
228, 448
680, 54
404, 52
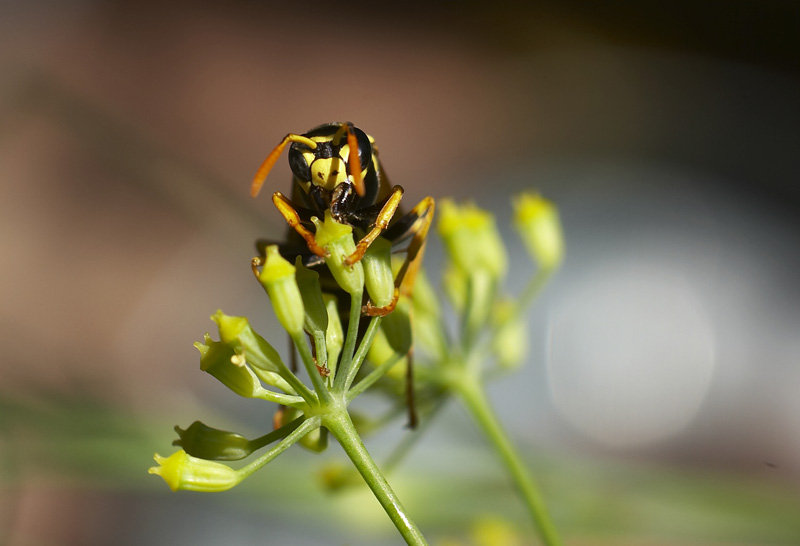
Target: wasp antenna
354, 162
266, 166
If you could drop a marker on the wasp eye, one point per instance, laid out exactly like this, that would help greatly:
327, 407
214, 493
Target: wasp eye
364, 148
298, 163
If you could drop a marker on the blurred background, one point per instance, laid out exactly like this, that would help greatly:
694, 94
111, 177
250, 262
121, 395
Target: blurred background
660, 403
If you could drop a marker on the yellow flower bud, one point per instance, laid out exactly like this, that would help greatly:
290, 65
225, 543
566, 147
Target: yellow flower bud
378, 272
537, 222
220, 360
182, 471
278, 279
337, 240
472, 239
205, 442
334, 336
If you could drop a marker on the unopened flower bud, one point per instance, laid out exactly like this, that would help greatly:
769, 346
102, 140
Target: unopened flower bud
278, 279
237, 333
334, 335
182, 471
471, 238
397, 326
220, 360
537, 222
337, 240
204, 442
378, 272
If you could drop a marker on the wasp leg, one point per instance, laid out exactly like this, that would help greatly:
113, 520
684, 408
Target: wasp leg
266, 166
289, 213
404, 281
416, 249
381, 223
372, 311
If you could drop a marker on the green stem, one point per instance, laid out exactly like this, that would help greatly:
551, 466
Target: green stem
305, 354
341, 426
280, 398
346, 360
373, 376
474, 398
531, 291
279, 434
305, 427
361, 353
288, 375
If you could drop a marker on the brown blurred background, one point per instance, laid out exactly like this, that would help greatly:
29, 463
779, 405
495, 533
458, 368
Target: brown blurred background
665, 352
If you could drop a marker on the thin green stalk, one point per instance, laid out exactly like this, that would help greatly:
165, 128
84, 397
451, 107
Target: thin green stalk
373, 376
311, 367
361, 354
294, 381
279, 434
474, 398
532, 290
307, 426
341, 426
281, 398
346, 358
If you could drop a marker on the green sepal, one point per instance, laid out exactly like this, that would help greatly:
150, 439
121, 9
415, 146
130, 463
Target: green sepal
205, 442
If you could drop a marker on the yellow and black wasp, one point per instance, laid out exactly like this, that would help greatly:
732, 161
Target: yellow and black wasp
336, 168
328, 175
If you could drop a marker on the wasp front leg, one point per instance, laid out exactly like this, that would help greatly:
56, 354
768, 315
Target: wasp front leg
381, 223
287, 210
417, 222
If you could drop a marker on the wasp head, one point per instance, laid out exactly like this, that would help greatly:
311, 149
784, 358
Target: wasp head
328, 164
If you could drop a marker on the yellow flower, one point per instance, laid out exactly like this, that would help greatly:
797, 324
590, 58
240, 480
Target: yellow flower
537, 222
278, 279
472, 239
182, 471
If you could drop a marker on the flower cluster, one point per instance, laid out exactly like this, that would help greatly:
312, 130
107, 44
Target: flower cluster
334, 332
491, 325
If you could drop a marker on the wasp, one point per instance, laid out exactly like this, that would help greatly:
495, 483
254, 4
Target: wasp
335, 166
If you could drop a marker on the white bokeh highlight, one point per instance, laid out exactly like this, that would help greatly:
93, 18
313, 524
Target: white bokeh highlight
631, 355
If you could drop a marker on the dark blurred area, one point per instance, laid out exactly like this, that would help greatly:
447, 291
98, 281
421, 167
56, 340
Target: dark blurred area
661, 397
